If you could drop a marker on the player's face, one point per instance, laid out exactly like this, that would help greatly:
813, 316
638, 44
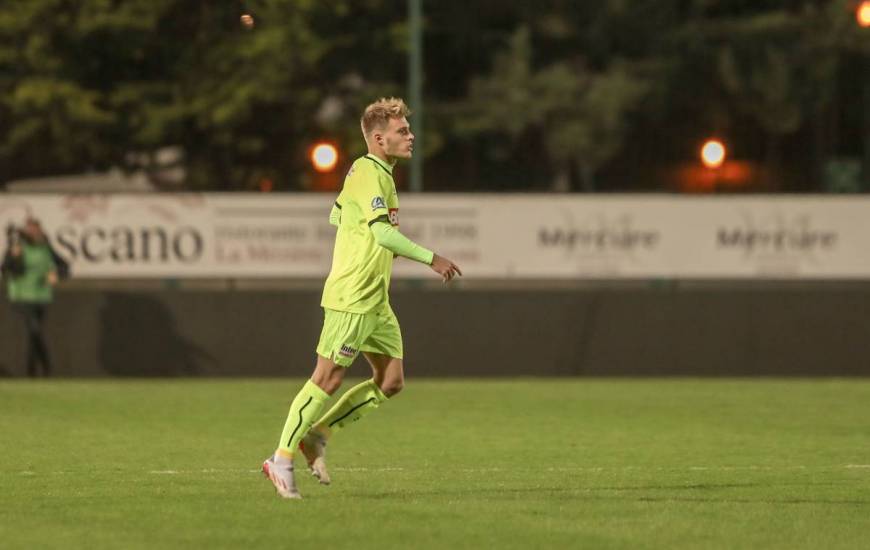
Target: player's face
398, 139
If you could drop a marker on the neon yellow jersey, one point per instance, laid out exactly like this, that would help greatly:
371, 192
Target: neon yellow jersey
359, 280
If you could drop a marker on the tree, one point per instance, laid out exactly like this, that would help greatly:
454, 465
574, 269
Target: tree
580, 114
97, 83
779, 67
553, 93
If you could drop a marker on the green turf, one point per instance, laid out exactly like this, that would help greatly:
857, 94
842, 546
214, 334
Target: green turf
471, 464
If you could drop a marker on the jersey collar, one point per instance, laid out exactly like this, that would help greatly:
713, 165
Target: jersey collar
386, 166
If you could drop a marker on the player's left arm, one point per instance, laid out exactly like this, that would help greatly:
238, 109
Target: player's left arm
370, 195
392, 239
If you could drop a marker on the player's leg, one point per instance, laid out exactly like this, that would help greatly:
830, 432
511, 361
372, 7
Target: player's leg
353, 405
308, 404
383, 350
339, 342
303, 411
388, 373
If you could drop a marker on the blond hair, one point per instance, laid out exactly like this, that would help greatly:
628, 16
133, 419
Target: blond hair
378, 114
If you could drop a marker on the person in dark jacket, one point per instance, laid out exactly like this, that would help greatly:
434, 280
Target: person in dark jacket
32, 268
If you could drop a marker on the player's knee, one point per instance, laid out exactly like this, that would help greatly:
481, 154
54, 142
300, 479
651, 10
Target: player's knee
331, 385
327, 383
392, 387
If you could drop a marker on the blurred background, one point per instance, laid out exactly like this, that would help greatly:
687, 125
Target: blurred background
668, 187
521, 96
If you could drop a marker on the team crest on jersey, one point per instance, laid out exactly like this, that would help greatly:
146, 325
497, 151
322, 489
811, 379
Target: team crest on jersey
378, 202
346, 351
394, 216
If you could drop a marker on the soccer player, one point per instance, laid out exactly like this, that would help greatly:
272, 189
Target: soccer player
357, 313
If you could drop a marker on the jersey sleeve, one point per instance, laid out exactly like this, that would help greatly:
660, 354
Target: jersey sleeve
390, 238
369, 194
335, 214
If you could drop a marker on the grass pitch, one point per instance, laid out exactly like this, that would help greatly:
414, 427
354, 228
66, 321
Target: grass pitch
524, 463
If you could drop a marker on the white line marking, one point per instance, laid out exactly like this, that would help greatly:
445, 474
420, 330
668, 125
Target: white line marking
257, 471
578, 469
367, 469
663, 468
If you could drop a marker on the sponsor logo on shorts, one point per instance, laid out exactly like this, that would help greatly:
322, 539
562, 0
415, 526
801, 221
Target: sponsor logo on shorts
394, 216
378, 202
346, 351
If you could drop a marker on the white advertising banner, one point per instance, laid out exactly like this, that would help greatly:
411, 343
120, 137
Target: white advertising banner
489, 236
691, 237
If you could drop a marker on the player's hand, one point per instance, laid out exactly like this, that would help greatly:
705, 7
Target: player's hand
51, 278
445, 268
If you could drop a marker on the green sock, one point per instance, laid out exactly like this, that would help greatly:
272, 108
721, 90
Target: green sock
304, 409
353, 405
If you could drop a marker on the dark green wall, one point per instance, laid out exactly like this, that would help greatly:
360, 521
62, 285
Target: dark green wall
809, 331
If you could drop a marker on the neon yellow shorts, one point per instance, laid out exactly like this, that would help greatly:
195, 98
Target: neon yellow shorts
345, 334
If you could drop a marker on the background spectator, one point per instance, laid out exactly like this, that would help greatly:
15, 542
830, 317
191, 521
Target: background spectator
31, 268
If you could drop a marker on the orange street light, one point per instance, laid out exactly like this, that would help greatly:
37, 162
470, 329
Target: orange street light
324, 157
862, 14
713, 153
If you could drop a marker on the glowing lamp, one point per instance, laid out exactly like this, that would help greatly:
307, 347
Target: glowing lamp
324, 157
862, 14
713, 153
